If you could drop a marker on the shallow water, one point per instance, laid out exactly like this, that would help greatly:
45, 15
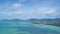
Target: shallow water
27, 28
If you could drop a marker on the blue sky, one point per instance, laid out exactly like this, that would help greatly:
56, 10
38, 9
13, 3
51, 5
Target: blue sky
26, 9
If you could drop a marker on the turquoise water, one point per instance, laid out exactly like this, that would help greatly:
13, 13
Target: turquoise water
27, 28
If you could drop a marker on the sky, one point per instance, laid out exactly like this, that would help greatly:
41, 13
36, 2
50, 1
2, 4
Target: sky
26, 9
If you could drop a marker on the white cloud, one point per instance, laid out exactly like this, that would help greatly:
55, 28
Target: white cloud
16, 5
38, 13
50, 11
17, 13
46, 10
42, 12
23, 13
5, 13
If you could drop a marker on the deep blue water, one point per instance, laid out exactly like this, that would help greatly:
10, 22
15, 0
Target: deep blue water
27, 28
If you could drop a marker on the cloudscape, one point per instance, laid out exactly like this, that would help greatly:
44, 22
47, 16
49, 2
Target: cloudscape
26, 9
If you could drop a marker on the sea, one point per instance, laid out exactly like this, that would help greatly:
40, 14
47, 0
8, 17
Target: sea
27, 28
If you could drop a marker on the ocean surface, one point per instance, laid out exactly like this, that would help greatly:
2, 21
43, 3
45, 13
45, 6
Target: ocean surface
27, 28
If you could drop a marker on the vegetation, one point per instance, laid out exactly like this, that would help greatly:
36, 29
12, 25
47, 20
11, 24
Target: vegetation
54, 22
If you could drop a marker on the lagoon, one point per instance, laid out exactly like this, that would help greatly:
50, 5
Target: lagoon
27, 28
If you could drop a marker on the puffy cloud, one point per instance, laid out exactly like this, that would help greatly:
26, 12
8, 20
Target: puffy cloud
38, 13
41, 9
51, 11
44, 12
16, 5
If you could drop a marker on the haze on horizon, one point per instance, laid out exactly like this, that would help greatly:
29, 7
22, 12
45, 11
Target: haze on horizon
26, 9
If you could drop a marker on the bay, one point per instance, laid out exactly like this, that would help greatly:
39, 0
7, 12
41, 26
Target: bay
27, 28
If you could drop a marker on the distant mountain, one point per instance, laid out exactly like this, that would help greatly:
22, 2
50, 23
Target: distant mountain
37, 21
33, 19
44, 21
14, 20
